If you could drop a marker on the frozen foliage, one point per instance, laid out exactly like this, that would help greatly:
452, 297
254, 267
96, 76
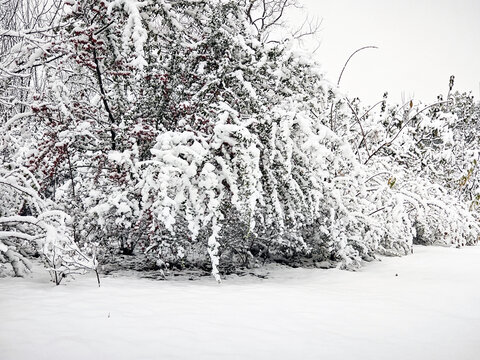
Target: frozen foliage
426, 155
178, 131
30, 226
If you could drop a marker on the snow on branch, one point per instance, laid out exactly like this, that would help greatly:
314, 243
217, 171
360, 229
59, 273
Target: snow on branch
134, 31
46, 231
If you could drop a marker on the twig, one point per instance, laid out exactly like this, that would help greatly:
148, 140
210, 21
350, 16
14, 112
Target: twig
360, 124
389, 142
340, 78
346, 63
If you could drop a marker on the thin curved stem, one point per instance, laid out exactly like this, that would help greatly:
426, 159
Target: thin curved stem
350, 57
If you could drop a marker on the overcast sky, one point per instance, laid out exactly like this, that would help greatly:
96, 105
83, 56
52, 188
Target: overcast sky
421, 43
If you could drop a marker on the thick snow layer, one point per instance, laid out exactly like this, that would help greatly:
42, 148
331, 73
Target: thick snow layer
423, 306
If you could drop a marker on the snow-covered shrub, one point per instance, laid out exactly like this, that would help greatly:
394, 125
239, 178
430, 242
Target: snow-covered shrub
176, 129
30, 226
425, 158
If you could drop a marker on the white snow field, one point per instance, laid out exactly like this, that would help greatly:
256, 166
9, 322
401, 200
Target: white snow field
431, 310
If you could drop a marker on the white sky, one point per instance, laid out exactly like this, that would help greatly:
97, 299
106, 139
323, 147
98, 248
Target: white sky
421, 43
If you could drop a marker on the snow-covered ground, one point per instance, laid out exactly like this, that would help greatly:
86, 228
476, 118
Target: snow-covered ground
423, 306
